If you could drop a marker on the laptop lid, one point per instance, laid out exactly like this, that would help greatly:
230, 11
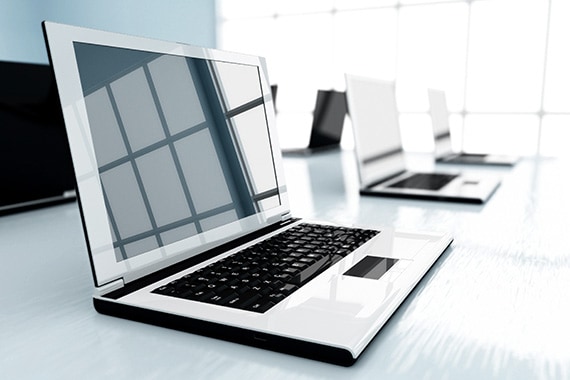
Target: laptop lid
374, 114
173, 147
34, 155
328, 119
440, 122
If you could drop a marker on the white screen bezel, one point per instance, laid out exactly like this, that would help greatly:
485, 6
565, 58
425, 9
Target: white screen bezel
106, 268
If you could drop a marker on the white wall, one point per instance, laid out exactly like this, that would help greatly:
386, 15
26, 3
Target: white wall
21, 38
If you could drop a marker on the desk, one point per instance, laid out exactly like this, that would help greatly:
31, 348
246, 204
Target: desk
496, 305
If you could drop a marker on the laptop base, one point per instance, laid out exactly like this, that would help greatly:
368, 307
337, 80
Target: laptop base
477, 159
308, 151
265, 341
430, 197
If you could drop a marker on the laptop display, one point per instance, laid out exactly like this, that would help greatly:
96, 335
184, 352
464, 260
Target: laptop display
185, 211
150, 148
328, 121
34, 155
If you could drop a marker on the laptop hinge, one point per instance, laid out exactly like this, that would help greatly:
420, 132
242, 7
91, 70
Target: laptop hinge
110, 287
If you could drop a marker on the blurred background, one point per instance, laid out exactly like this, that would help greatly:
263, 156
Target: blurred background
502, 63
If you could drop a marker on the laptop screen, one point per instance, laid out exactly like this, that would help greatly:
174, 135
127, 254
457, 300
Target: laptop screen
439, 114
328, 119
181, 143
440, 122
374, 114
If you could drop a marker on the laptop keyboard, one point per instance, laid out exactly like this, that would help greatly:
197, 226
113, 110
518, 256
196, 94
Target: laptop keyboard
425, 181
258, 277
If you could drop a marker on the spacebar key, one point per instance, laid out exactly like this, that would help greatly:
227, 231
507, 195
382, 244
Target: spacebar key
308, 272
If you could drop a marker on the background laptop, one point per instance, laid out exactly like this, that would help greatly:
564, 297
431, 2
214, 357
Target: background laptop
328, 120
274, 89
442, 138
35, 165
185, 208
380, 156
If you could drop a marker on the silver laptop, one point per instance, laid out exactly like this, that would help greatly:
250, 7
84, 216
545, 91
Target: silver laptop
328, 120
380, 156
184, 204
443, 143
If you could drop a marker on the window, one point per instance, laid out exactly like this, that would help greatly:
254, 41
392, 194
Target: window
502, 63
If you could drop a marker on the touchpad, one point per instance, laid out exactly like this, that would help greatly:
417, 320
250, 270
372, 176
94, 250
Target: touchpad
372, 267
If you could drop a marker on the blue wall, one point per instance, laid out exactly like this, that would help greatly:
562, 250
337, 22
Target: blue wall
21, 38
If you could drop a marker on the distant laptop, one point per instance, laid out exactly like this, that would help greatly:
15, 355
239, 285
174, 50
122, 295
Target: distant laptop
442, 138
274, 89
185, 209
380, 156
328, 120
35, 164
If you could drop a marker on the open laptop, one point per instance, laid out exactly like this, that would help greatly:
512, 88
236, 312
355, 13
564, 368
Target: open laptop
274, 89
328, 120
185, 211
380, 156
442, 138
35, 163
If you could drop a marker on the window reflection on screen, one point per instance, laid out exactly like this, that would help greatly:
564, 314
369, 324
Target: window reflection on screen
181, 143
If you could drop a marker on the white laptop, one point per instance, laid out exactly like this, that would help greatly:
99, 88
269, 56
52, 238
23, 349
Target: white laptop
380, 156
184, 204
442, 138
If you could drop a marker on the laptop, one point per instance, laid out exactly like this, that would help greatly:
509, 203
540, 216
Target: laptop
184, 204
328, 120
380, 155
274, 89
34, 155
443, 143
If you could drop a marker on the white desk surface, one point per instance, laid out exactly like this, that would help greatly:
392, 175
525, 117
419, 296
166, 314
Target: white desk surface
496, 305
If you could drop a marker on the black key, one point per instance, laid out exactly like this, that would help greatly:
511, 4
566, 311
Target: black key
233, 301
276, 297
291, 271
166, 290
278, 284
287, 289
193, 289
224, 297
343, 252
244, 299
283, 277
201, 295
309, 271
261, 307
242, 289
